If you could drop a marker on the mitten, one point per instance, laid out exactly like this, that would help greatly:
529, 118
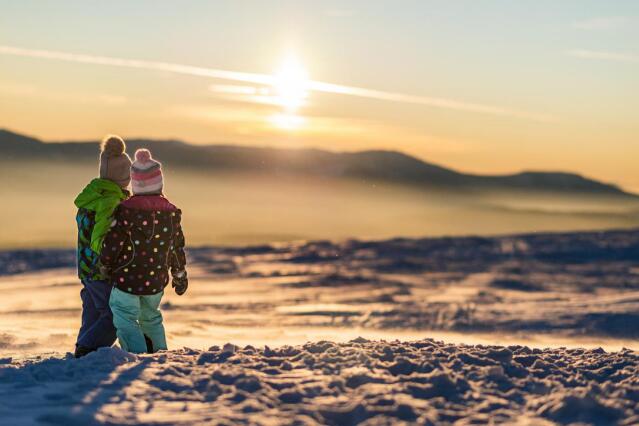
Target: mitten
180, 283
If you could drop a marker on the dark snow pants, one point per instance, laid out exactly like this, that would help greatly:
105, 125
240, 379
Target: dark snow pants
97, 328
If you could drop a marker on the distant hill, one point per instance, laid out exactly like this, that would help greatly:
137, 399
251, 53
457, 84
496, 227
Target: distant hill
382, 166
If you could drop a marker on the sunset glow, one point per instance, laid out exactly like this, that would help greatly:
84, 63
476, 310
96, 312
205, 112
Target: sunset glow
290, 91
319, 212
431, 87
287, 121
291, 84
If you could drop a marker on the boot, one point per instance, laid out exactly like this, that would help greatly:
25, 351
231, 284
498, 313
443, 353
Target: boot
149, 344
81, 351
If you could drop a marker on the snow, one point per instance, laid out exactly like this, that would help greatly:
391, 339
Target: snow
357, 382
541, 290
522, 317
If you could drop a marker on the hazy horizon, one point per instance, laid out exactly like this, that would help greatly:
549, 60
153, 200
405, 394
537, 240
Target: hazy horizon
484, 88
327, 149
239, 208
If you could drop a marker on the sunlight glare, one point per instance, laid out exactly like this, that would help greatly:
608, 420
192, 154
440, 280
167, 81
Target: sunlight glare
291, 84
287, 121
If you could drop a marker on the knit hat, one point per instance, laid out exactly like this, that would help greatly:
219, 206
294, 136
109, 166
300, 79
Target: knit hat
115, 164
146, 174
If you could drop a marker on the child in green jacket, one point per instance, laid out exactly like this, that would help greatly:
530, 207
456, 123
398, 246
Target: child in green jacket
96, 204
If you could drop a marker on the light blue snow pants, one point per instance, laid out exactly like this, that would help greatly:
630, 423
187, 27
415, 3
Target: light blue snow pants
135, 316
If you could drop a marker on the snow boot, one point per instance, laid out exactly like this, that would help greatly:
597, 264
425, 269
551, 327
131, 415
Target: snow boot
81, 351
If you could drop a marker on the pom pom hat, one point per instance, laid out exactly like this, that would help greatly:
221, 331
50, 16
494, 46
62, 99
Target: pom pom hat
146, 174
115, 164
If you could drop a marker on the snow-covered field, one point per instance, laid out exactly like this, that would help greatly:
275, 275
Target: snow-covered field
520, 292
360, 382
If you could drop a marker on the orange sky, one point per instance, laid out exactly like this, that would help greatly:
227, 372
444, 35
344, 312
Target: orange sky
494, 89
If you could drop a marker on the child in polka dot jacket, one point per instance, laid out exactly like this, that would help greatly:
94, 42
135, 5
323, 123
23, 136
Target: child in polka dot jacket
143, 246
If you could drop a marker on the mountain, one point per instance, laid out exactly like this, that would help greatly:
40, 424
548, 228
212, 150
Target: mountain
381, 166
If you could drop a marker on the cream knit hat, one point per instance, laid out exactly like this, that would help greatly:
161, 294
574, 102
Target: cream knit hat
115, 164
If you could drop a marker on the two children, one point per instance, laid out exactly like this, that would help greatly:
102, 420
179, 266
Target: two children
133, 260
141, 249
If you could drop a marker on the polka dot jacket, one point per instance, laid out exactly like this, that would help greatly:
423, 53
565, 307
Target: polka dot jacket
144, 244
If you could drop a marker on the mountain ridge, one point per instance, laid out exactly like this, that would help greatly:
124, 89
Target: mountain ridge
375, 165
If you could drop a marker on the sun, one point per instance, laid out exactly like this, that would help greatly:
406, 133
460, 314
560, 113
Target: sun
289, 91
291, 85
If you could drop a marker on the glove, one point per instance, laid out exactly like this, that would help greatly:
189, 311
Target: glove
180, 283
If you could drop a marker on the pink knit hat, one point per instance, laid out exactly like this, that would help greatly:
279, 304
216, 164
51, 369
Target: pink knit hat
146, 174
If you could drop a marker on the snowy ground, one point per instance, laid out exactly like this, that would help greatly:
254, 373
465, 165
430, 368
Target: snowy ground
361, 382
545, 290
540, 290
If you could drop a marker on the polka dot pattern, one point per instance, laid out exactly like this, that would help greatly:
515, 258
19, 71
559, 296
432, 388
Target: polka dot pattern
143, 246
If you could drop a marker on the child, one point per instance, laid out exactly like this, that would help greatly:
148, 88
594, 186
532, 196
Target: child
144, 243
96, 204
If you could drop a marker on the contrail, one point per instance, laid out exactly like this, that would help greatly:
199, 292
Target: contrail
598, 54
134, 63
269, 80
424, 100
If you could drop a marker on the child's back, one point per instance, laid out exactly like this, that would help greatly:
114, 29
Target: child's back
144, 247
96, 205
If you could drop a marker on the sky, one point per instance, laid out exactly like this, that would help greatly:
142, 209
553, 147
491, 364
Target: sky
480, 86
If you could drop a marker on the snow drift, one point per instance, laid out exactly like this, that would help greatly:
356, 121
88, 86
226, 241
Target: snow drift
360, 382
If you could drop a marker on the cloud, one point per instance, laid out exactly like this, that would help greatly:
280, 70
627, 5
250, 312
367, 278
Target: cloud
603, 55
271, 80
602, 23
21, 90
233, 89
248, 121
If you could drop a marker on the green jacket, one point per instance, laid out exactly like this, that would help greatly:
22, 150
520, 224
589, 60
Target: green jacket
96, 204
